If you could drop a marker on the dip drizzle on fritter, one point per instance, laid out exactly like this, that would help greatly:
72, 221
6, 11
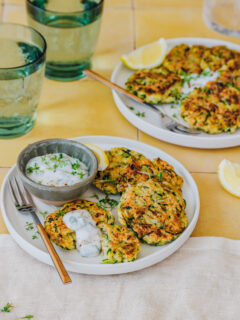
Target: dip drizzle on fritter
119, 244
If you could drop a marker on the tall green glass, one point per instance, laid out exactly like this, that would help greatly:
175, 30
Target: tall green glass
22, 65
71, 29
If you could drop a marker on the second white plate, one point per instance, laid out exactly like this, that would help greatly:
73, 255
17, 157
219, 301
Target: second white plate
151, 123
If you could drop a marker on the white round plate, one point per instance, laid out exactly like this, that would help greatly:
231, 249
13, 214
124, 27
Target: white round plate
149, 255
151, 123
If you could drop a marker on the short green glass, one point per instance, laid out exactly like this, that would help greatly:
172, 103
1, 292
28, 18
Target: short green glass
22, 64
71, 29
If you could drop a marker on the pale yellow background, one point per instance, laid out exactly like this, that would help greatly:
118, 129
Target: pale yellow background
86, 107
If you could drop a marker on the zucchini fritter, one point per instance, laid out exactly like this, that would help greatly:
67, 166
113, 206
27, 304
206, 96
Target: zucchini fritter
165, 173
127, 167
155, 86
58, 232
119, 244
213, 109
183, 58
65, 237
215, 58
156, 214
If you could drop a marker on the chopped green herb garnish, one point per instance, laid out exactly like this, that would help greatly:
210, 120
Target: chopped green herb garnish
175, 93
174, 115
54, 158
131, 108
43, 213
29, 226
61, 213
31, 169
160, 176
60, 155
206, 72
140, 114
81, 174
7, 307
28, 316
108, 203
34, 237
75, 165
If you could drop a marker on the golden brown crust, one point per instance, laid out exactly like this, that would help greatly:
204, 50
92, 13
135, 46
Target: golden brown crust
153, 212
119, 244
126, 167
155, 86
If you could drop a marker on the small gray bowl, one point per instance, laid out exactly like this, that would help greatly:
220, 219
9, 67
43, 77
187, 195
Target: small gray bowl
57, 195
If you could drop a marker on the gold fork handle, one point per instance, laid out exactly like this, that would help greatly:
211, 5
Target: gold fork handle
55, 258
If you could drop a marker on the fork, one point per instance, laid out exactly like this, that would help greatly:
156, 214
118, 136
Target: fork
26, 206
171, 125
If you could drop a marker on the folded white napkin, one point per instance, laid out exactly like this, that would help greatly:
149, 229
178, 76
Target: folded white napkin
199, 281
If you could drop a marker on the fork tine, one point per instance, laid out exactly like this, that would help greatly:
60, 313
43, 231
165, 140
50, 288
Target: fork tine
13, 193
20, 192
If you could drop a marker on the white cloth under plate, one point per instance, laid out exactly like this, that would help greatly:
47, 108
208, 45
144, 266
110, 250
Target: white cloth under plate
200, 281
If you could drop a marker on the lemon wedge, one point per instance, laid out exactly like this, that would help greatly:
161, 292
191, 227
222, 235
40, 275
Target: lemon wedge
149, 56
229, 176
100, 154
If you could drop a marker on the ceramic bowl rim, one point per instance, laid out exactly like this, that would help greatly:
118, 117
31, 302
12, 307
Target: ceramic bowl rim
85, 181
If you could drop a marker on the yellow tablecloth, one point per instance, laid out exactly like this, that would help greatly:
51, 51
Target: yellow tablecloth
86, 107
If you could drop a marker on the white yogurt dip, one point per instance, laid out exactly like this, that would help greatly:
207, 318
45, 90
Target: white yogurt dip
198, 81
87, 234
56, 169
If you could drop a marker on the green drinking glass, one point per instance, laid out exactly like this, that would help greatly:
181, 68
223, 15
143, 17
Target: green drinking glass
71, 29
22, 64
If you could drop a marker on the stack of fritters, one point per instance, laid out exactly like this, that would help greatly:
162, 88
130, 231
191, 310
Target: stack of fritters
119, 244
151, 203
127, 167
214, 108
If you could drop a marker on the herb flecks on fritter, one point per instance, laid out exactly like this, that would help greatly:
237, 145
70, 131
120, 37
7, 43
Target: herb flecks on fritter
213, 109
214, 58
119, 244
184, 58
128, 167
156, 214
155, 86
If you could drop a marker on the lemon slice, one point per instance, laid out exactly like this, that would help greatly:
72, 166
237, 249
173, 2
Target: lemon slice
100, 155
229, 176
148, 56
